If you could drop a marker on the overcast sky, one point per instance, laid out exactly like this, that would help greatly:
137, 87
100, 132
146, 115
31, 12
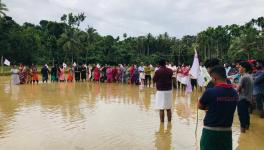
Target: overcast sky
139, 17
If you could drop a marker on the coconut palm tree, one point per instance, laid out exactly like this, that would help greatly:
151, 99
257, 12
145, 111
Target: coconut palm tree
3, 8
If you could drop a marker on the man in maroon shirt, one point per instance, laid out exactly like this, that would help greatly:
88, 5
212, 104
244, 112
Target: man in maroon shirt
163, 80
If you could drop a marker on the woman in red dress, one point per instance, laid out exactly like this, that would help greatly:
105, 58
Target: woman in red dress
109, 74
114, 72
35, 74
131, 73
96, 74
70, 75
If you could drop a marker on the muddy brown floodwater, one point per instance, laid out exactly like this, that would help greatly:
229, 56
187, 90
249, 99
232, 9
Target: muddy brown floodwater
82, 116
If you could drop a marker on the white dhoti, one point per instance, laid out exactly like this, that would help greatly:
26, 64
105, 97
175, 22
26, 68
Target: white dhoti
142, 75
184, 80
163, 100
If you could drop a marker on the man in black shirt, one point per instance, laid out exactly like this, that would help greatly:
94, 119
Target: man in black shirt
45, 74
77, 71
83, 73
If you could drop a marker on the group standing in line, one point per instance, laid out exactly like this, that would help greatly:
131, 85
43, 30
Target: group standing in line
220, 99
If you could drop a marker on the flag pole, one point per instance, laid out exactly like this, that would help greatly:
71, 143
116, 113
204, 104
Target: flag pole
197, 120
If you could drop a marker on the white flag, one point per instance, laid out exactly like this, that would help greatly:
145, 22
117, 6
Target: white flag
195, 70
74, 64
7, 62
64, 65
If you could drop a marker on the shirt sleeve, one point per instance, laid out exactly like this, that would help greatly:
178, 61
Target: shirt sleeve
259, 79
155, 77
241, 84
205, 100
246, 81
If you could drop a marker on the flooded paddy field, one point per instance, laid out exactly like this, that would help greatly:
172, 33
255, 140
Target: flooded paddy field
82, 116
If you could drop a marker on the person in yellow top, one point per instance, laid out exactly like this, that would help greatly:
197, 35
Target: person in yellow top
147, 70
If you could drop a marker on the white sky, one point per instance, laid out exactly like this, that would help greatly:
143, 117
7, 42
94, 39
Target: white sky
139, 17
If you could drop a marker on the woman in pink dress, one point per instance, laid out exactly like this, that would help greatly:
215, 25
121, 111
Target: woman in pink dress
131, 72
61, 74
96, 74
109, 74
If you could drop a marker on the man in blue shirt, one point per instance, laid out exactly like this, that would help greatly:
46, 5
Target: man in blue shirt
220, 104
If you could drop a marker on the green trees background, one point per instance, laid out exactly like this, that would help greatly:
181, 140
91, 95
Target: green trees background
64, 41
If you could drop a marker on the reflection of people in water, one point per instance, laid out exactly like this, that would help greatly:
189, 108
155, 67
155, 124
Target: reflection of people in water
14, 75
163, 137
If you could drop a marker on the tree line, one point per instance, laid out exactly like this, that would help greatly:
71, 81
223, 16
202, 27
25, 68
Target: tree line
63, 41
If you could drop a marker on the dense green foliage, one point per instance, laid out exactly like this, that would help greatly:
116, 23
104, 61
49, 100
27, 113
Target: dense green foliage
64, 41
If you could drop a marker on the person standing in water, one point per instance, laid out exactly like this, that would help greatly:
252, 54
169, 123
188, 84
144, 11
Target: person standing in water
147, 70
54, 74
77, 71
28, 75
61, 74
141, 74
14, 75
45, 74
245, 90
35, 74
70, 74
83, 73
220, 103
163, 80
96, 74
259, 87
114, 73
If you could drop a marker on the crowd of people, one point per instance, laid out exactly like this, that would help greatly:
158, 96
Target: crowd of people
130, 74
220, 99
62, 73
222, 96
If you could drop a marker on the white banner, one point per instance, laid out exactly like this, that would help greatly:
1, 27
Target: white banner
195, 70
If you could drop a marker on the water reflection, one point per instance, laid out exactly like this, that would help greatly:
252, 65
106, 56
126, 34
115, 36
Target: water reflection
163, 137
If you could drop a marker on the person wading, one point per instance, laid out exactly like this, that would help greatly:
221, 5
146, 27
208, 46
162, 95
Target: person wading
163, 80
220, 104
259, 87
245, 90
